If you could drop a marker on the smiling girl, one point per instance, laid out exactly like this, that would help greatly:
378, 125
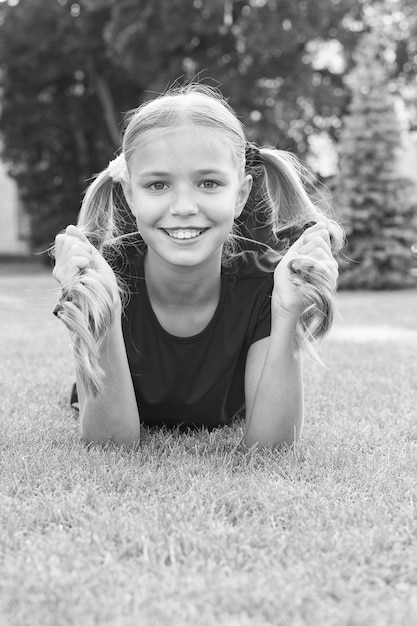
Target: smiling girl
186, 321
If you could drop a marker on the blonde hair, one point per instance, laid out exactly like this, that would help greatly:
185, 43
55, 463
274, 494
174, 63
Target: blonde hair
278, 201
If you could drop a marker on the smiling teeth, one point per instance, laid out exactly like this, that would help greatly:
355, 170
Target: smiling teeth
185, 234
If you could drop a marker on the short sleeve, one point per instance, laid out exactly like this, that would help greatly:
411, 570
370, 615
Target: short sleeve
262, 326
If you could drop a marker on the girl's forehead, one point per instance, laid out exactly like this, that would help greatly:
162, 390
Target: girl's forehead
183, 141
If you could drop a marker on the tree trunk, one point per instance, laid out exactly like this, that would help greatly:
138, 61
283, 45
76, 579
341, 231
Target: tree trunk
104, 95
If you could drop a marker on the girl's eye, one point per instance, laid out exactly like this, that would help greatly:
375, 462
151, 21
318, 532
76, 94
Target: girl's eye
209, 184
157, 186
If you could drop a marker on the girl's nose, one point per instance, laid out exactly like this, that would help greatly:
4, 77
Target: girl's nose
183, 204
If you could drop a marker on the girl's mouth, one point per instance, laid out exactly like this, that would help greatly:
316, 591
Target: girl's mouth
185, 233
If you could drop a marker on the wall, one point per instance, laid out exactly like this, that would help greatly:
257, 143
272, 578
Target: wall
14, 224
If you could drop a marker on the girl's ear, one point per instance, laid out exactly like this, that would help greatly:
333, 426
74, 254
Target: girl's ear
244, 191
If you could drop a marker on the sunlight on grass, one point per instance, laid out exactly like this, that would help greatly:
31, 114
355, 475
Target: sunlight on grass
193, 529
369, 334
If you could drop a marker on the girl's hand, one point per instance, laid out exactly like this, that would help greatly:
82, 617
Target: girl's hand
313, 246
73, 254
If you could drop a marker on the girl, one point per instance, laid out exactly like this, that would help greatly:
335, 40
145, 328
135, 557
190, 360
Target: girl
186, 321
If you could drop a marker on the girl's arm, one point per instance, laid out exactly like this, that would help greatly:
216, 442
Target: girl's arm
273, 376
112, 414
274, 388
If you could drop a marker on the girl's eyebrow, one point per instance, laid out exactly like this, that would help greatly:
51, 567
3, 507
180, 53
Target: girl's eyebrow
203, 172
153, 173
212, 170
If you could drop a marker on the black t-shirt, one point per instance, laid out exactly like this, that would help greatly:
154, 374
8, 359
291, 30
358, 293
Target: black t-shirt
197, 380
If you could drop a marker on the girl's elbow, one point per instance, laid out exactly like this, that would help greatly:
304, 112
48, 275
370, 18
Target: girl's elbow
259, 443
92, 438
275, 441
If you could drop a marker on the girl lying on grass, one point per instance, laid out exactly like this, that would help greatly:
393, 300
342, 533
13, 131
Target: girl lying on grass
185, 321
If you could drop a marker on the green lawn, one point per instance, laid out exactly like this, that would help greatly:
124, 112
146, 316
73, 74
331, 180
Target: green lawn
193, 529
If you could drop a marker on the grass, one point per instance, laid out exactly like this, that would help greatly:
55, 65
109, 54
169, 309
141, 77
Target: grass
193, 529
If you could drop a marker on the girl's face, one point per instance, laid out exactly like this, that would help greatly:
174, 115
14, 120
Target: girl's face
185, 191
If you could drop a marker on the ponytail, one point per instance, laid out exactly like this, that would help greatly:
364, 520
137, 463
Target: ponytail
290, 210
86, 306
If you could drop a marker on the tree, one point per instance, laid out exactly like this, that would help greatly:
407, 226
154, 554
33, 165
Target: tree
58, 121
377, 206
395, 22
70, 70
260, 52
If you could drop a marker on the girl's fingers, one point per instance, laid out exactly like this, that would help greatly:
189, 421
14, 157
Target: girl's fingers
72, 235
311, 235
333, 268
73, 231
314, 249
318, 232
74, 246
320, 225
314, 245
73, 253
65, 272
80, 262
324, 265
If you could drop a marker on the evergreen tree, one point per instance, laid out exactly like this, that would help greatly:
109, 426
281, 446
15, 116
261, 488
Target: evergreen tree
70, 70
377, 206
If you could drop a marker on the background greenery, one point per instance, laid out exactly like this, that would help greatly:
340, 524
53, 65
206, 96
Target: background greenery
193, 529
69, 71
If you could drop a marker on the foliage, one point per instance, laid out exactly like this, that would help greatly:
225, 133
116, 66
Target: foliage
376, 204
395, 23
69, 72
54, 132
261, 53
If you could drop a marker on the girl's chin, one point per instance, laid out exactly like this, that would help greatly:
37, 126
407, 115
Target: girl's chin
186, 255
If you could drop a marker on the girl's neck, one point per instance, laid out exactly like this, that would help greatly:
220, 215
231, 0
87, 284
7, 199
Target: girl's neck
172, 286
